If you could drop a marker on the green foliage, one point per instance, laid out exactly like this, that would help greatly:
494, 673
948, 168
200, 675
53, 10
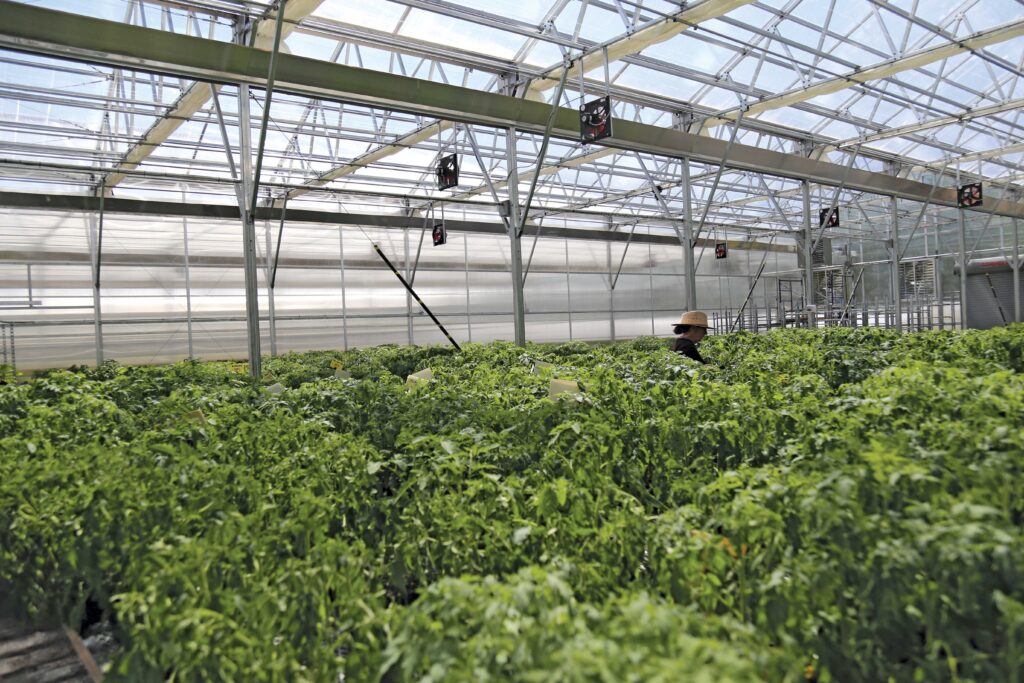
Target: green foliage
532, 627
834, 505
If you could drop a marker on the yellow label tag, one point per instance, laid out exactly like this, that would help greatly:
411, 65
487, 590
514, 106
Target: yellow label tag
540, 367
421, 377
560, 387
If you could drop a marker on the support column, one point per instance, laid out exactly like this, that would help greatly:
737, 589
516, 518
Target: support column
469, 307
894, 262
650, 283
1016, 273
689, 269
270, 291
780, 302
188, 288
96, 249
344, 301
252, 304
808, 256
516, 254
963, 268
7, 358
611, 292
408, 297
568, 289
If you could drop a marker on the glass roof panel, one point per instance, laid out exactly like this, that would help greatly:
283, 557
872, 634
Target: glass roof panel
790, 116
381, 16
529, 11
1011, 49
648, 80
988, 13
598, 25
448, 31
690, 52
873, 107
840, 130
543, 55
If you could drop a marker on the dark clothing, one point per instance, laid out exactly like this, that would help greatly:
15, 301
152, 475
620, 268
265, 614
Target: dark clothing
687, 348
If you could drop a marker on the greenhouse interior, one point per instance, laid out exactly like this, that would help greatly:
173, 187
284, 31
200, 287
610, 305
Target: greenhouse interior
342, 340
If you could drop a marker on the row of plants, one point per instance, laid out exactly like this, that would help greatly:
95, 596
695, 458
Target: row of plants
830, 505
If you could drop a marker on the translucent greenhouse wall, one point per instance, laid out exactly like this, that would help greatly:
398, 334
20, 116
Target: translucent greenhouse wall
155, 310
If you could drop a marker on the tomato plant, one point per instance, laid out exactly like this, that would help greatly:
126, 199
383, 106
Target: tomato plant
832, 505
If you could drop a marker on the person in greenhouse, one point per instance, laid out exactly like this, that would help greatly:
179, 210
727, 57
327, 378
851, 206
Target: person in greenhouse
691, 328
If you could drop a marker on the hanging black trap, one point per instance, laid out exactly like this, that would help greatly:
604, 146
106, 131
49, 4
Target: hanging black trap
969, 195
596, 120
448, 172
440, 234
828, 218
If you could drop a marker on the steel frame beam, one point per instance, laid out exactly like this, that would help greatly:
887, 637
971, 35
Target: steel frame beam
966, 115
633, 41
592, 58
198, 94
879, 71
160, 260
227, 212
894, 261
515, 232
937, 30
94, 40
719, 80
385, 40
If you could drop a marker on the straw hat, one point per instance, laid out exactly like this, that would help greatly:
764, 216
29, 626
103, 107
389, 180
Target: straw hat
694, 319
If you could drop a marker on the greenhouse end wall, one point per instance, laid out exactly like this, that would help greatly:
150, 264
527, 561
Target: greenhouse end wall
155, 307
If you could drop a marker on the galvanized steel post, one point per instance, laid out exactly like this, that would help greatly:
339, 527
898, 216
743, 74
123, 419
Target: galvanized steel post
344, 301
894, 262
516, 254
808, 255
1016, 273
961, 224
252, 305
96, 247
188, 286
688, 266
